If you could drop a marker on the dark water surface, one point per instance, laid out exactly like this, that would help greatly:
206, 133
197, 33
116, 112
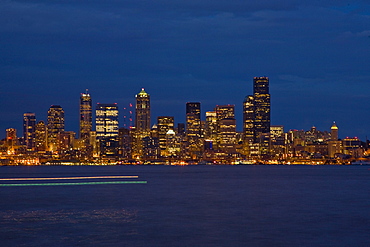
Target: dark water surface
190, 206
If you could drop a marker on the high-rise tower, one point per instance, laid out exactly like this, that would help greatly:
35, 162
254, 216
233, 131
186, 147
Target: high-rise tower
106, 120
256, 110
256, 117
142, 118
164, 123
29, 127
248, 119
226, 127
41, 136
55, 125
261, 105
334, 145
334, 132
193, 125
107, 129
85, 116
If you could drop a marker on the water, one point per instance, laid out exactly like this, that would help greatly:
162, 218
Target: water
190, 206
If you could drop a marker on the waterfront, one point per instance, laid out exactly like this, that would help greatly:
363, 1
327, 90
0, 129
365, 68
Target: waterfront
190, 206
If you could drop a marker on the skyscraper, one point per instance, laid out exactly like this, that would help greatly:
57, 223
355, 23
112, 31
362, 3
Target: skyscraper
256, 110
29, 128
107, 130
226, 127
211, 126
41, 136
142, 118
85, 116
193, 126
334, 145
248, 119
334, 132
261, 105
106, 120
55, 125
164, 124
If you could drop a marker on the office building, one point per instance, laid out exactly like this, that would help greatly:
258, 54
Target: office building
85, 116
41, 136
211, 126
106, 120
29, 128
164, 124
193, 127
256, 116
55, 125
142, 119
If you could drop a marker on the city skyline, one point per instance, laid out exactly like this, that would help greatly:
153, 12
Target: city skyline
123, 114
314, 52
214, 140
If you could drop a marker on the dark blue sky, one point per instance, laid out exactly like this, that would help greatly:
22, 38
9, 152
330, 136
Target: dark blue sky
316, 54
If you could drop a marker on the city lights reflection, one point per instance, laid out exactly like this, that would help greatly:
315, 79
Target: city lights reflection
68, 178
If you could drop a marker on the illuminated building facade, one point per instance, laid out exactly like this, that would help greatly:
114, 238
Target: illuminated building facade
334, 132
193, 127
334, 145
106, 117
65, 140
227, 134
173, 146
211, 126
248, 119
55, 125
106, 120
29, 128
41, 136
142, 119
223, 112
164, 124
262, 106
85, 116
256, 115
352, 146
151, 149
11, 140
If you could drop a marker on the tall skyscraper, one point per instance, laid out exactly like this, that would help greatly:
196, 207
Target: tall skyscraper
226, 127
29, 128
193, 126
142, 118
164, 124
334, 145
55, 125
227, 134
256, 110
261, 105
107, 130
334, 132
211, 126
106, 120
85, 116
41, 136
248, 119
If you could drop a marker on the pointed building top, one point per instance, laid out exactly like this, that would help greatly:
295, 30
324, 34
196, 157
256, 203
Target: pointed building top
334, 126
142, 93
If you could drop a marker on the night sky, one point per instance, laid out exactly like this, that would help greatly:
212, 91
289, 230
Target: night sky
315, 52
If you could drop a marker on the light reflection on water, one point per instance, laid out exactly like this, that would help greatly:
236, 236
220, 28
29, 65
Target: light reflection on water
190, 206
66, 227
